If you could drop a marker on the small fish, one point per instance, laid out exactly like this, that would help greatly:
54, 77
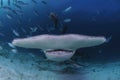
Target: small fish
34, 1
44, 2
36, 13
54, 19
40, 27
9, 16
6, 8
10, 9
17, 6
67, 20
11, 45
67, 9
15, 32
14, 51
23, 30
15, 12
33, 29
22, 3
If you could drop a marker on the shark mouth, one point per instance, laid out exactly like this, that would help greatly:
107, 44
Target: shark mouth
58, 50
59, 54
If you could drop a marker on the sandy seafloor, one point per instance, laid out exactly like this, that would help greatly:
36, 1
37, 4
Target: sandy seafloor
28, 66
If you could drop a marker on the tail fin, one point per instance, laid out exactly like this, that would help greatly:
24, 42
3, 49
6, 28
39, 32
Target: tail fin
108, 39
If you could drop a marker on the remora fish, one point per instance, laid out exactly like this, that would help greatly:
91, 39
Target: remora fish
54, 19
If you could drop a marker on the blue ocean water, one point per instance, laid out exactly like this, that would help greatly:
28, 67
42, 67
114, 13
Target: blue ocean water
87, 17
